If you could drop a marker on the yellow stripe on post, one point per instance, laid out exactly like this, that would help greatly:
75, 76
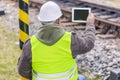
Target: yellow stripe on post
23, 24
27, 1
23, 16
22, 78
23, 36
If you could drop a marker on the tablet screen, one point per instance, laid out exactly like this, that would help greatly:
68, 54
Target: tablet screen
80, 14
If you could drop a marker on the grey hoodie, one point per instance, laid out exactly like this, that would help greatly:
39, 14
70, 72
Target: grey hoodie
50, 34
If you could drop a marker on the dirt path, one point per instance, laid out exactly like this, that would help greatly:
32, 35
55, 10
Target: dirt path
114, 1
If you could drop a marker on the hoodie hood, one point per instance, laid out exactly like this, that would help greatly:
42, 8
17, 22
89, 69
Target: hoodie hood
50, 34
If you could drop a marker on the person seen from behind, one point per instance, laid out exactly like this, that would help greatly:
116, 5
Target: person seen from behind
50, 53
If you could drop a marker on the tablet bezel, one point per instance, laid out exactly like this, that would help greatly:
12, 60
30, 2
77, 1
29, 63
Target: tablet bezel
82, 21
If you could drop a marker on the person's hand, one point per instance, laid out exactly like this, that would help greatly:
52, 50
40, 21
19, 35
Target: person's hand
91, 18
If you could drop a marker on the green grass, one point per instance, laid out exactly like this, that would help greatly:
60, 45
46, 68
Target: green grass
9, 52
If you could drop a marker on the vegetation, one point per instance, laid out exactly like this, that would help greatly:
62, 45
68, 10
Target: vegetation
9, 52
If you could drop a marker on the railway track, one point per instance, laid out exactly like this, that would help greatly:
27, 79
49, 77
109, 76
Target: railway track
100, 51
107, 18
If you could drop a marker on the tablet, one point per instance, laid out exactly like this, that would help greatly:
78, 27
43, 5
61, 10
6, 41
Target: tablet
80, 14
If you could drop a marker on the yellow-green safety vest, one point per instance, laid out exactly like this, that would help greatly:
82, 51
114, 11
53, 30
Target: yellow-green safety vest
53, 62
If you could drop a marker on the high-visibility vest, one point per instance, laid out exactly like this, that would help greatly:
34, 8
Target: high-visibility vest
53, 62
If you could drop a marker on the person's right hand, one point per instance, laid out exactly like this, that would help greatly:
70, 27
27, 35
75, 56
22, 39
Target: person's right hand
91, 18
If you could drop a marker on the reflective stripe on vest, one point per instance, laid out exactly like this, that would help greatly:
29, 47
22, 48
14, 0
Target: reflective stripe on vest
54, 59
59, 76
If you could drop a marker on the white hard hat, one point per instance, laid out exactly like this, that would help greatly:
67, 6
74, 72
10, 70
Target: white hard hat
49, 11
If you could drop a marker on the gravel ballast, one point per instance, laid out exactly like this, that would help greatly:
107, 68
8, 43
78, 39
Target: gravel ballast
104, 57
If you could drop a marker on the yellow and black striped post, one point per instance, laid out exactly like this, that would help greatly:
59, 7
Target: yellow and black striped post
23, 22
